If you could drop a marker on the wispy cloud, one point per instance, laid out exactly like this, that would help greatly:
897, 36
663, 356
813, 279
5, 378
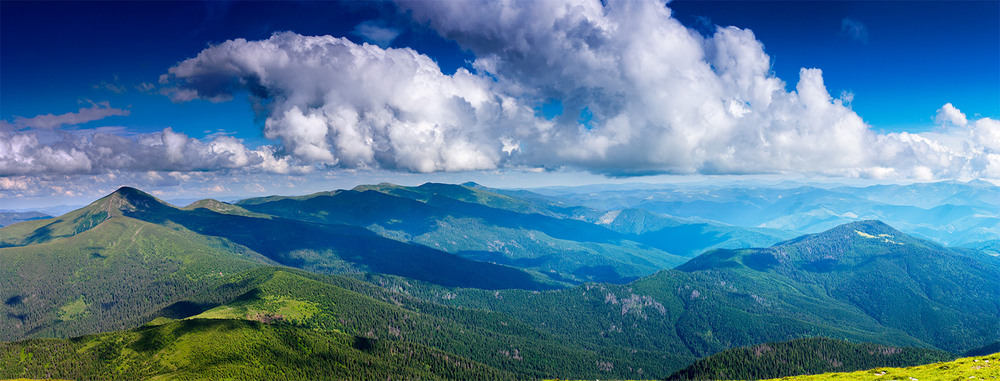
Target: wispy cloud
96, 111
145, 87
376, 33
112, 86
854, 29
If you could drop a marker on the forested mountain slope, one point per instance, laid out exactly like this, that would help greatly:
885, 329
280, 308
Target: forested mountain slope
129, 257
902, 282
109, 264
359, 308
889, 290
570, 244
802, 357
96, 269
568, 249
232, 349
292, 303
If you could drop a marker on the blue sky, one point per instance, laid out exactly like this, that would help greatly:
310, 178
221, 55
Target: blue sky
162, 95
910, 57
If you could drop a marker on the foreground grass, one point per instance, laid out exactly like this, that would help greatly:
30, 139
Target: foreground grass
968, 368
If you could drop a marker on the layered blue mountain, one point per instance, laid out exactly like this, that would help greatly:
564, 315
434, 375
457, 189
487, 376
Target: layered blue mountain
951, 213
569, 244
10, 217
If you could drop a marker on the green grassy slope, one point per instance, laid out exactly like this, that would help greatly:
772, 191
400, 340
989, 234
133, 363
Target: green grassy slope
327, 248
471, 193
803, 357
223, 208
331, 303
108, 277
967, 368
232, 349
108, 265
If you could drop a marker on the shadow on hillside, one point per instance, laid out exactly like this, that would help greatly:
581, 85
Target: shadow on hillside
302, 244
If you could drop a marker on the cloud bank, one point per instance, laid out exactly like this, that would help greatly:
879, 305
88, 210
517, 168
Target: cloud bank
100, 151
628, 90
640, 94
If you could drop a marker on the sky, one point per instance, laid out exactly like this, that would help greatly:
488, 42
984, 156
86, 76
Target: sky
233, 99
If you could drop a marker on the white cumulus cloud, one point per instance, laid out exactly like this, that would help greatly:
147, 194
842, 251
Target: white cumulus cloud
950, 114
658, 98
333, 102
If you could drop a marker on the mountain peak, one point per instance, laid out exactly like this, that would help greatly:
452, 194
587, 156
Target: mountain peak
852, 242
380, 187
867, 231
129, 191
222, 207
128, 199
872, 227
980, 183
472, 184
845, 245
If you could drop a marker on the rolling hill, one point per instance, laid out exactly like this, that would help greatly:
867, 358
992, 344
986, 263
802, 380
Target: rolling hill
107, 265
568, 244
569, 250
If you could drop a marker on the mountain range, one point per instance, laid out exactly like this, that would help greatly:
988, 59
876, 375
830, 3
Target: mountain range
468, 282
10, 217
949, 212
